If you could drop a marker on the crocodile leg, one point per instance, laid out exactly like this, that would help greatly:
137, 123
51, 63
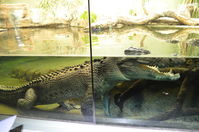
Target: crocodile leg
66, 106
87, 106
106, 104
132, 90
28, 101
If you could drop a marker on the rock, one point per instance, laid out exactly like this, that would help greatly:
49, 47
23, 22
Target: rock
19, 11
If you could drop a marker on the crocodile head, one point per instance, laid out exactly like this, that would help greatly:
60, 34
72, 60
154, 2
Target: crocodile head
134, 68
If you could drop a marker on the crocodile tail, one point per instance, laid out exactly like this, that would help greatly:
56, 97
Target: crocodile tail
9, 94
8, 88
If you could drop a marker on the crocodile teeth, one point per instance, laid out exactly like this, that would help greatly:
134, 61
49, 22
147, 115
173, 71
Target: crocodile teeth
171, 71
154, 68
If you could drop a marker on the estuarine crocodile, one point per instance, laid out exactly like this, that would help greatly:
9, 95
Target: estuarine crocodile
76, 82
136, 51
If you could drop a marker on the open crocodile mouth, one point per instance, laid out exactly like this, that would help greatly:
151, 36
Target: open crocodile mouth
161, 75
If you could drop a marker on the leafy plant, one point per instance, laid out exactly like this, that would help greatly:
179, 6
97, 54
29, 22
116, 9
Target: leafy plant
84, 16
86, 39
132, 12
48, 4
70, 5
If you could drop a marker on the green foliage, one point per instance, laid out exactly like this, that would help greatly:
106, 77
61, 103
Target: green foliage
130, 37
95, 39
52, 5
132, 12
48, 4
84, 16
86, 39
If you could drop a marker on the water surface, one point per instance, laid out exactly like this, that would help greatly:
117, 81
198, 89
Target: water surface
165, 42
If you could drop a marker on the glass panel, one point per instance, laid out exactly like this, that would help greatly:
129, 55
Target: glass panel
148, 75
58, 87
132, 23
43, 27
45, 68
133, 91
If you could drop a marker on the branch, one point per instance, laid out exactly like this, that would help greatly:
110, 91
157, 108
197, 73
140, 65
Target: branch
145, 20
182, 19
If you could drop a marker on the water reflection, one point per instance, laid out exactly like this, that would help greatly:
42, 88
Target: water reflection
159, 41
113, 42
42, 41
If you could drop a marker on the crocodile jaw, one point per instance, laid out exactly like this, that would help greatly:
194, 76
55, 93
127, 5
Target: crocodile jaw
142, 71
162, 75
167, 76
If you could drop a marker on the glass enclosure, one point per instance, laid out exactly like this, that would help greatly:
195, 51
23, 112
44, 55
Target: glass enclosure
41, 43
126, 62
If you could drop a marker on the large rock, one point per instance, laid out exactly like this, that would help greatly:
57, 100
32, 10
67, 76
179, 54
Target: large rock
10, 12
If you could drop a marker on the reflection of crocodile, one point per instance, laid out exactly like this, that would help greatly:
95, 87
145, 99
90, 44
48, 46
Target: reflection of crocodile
75, 82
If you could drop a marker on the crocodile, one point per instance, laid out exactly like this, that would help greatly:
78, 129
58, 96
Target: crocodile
76, 82
136, 51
